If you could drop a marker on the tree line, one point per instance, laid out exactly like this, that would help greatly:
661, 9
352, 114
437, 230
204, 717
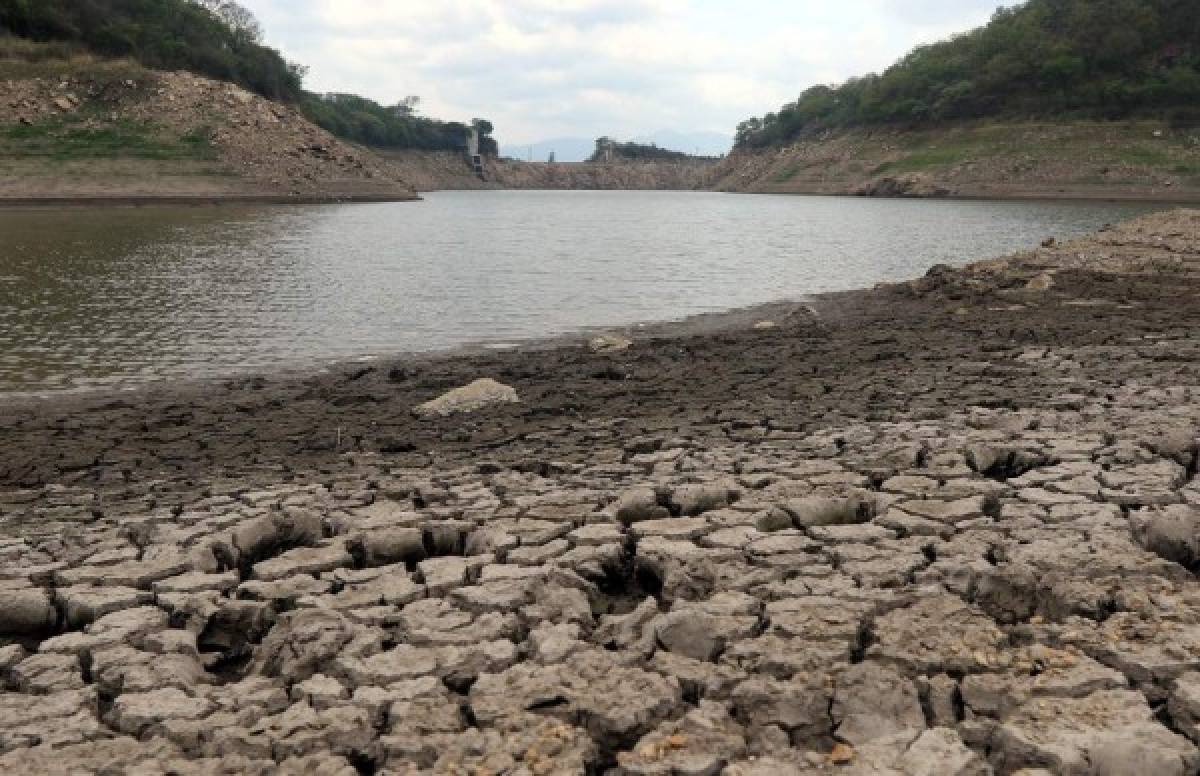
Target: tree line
1102, 59
221, 39
216, 39
606, 147
365, 121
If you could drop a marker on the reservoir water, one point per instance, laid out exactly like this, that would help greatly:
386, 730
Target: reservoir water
122, 296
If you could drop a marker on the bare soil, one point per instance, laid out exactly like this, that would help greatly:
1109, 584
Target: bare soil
1138, 160
173, 136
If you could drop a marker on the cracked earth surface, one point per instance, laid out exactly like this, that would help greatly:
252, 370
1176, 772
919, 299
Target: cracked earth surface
947, 527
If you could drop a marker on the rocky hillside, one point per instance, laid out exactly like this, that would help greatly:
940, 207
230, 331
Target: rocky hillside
164, 135
430, 171
1128, 160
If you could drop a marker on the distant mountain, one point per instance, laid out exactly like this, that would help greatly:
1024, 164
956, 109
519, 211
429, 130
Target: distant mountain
578, 149
565, 149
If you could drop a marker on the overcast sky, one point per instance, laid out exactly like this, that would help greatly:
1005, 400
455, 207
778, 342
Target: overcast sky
551, 68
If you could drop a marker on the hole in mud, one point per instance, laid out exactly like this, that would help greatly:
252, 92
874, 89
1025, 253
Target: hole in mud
443, 541
363, 763
866, 637
459, 685
228, 641
232, 664
1010, 464
468, 716
549, 703
625, 585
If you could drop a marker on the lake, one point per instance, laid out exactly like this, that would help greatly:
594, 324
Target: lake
122, 296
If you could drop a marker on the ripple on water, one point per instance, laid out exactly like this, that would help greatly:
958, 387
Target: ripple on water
121, 297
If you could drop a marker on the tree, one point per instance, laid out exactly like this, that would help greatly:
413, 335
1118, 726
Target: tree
236, 16
215, 38
407, 107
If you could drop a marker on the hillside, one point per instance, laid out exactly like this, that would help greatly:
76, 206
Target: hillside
213, 38
222, 40
1136, 159
442, 170
84, 128
1045, 59
1052, 98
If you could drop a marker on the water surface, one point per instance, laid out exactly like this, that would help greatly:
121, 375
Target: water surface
102, 297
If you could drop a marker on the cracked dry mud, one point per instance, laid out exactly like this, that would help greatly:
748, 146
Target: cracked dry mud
946, 527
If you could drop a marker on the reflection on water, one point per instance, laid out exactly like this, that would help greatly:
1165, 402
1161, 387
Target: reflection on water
122, 296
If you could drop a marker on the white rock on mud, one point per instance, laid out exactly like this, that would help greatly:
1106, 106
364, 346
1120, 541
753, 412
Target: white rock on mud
469, 398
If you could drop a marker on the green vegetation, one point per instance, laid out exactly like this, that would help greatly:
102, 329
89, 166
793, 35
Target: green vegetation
926, 159
607, 148
1069, 59
216, 39
365, 121
20, 59
66, 138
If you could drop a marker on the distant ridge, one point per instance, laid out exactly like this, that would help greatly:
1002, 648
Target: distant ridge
578, 149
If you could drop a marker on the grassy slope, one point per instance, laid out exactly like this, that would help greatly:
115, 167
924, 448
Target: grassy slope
1138, 159
55, 153
81, 127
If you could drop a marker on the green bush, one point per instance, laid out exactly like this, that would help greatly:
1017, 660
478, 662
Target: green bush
365, 121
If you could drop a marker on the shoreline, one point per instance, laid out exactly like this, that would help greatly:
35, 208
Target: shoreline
1116, 195
941, 526
201, 200
1177, 198
711, 322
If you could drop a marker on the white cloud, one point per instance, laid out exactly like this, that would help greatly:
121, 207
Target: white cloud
542, 68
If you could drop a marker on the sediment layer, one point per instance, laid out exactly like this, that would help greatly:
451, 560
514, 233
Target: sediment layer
947, 526
445, 170
1125, 160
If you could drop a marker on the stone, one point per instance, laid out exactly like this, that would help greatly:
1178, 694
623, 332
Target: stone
609, 343
1042, 282
479, 395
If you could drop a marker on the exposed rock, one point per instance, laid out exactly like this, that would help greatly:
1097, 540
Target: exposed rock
476, 396
609, 343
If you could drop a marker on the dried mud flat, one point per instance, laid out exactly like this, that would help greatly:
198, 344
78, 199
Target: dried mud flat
945, 527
